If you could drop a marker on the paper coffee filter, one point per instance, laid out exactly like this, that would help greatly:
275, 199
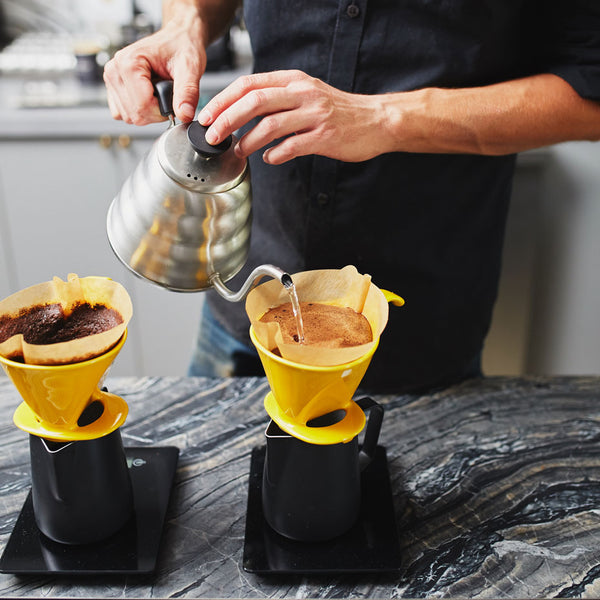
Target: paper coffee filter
93, 290
340, 287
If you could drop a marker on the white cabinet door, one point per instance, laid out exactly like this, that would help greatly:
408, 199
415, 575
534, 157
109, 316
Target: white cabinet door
7, 274
55, 196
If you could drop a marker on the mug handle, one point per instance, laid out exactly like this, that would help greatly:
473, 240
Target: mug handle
113, 413
369, 445
393, 298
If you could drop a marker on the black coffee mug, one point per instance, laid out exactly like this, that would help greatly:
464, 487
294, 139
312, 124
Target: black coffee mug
312, 492
81, 491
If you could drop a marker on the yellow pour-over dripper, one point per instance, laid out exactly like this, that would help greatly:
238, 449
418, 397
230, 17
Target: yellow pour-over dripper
300, 393
56, 395
307, 381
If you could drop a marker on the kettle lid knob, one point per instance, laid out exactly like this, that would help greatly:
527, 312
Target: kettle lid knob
196, 134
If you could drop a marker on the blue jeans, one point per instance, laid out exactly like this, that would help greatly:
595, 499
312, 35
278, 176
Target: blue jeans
219, 354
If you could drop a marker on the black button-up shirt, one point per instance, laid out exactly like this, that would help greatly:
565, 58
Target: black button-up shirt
426, 226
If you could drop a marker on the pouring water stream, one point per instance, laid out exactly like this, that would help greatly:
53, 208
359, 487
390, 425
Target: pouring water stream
291, 290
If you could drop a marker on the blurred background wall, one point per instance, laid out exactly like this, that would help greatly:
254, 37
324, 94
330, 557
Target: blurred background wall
103, 17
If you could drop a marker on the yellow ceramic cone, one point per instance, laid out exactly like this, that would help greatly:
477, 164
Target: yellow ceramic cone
300, 393
56, 395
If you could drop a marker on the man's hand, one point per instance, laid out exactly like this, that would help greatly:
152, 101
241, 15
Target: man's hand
176, 52
311, 117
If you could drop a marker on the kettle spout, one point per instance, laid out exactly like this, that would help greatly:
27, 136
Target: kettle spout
254, 277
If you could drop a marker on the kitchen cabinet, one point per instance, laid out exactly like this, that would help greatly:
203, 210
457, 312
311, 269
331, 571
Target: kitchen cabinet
507, 346
6, 276
55, 190
565, 332
545, 320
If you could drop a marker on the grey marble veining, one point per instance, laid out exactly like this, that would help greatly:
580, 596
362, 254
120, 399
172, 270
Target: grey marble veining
496, 488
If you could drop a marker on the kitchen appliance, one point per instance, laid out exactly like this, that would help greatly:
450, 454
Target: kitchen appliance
308, 381
182, 219
84, 498
318, 509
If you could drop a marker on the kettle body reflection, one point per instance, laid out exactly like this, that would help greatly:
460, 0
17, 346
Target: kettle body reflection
182, 219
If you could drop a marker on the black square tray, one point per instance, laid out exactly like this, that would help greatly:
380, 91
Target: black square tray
132, 550
371, 546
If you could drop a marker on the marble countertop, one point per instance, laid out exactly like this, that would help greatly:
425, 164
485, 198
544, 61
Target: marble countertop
496, 490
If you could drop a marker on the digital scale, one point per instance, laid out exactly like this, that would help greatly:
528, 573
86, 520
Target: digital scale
371, 546
132, 550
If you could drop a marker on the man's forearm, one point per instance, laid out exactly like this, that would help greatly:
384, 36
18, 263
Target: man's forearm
214, 15
502, 118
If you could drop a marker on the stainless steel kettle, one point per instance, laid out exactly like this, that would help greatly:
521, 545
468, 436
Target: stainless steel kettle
182, 219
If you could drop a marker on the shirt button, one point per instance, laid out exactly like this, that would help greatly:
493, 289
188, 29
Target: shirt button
322, 199
352, 10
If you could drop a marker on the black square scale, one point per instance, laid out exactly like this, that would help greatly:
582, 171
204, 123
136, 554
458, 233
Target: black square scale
132, 550
371, 546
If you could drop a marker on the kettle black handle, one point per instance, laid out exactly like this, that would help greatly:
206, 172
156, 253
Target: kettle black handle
369, 445
163, 90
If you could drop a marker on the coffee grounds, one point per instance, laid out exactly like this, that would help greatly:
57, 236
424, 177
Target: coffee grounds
324, 325
47, 324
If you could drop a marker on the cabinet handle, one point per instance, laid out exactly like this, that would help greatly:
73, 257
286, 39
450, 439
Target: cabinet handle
105, 140
124, 141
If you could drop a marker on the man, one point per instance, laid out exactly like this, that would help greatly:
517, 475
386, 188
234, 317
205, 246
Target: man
380, 134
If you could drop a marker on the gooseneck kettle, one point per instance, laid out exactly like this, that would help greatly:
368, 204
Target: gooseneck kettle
182, 219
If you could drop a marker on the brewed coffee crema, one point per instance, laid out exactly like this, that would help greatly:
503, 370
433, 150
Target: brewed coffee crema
324, 324
48, 324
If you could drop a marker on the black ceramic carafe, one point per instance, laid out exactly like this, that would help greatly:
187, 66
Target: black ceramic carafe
312, 492
81, 491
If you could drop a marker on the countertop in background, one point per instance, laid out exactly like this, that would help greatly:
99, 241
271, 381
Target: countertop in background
63, 107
